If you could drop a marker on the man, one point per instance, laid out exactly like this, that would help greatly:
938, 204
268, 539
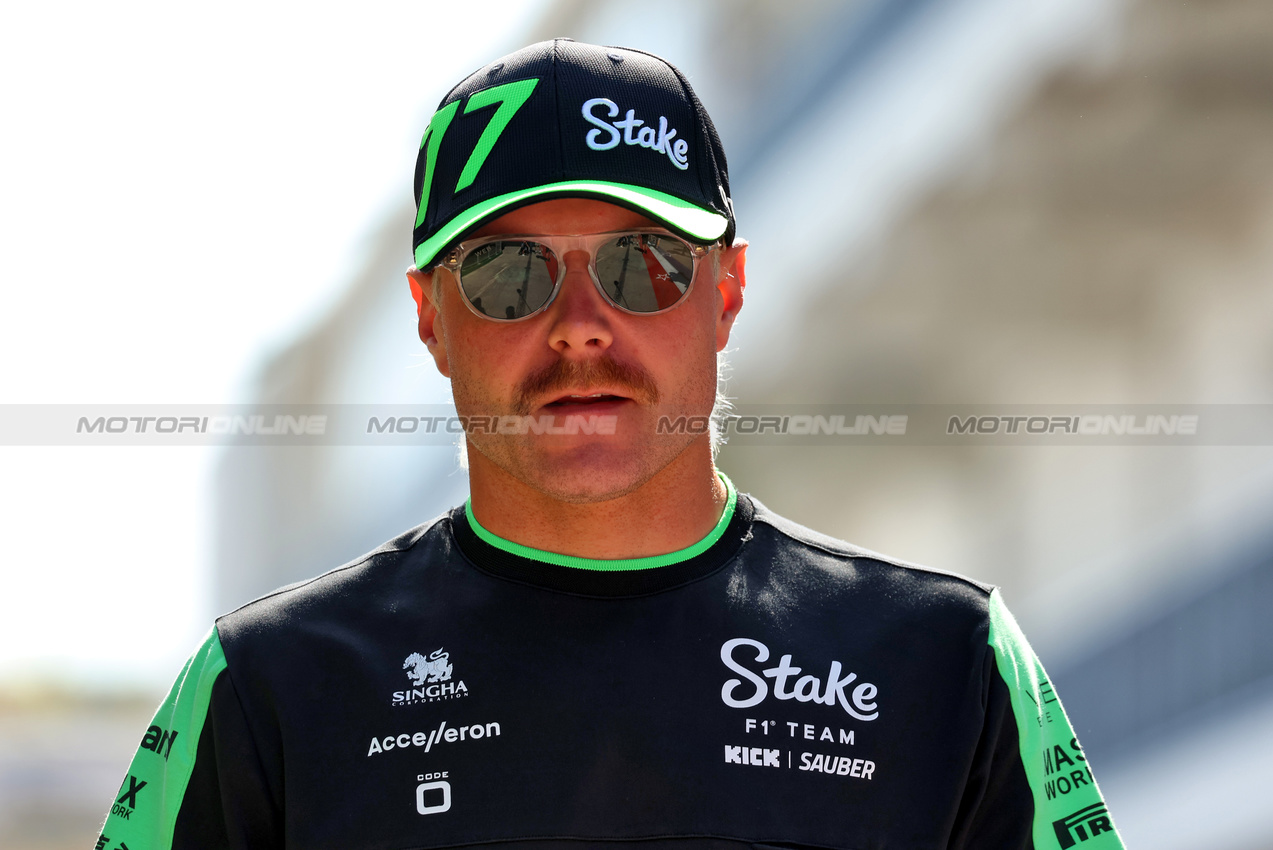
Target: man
607, 643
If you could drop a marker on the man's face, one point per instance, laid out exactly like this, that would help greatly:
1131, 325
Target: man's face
582, 357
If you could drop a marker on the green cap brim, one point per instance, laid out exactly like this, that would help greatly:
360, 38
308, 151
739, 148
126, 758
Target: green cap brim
695, 222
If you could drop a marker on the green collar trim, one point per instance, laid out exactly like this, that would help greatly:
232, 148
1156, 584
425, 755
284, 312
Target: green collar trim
618, 564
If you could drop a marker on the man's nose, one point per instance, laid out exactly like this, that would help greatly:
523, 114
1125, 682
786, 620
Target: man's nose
581, 317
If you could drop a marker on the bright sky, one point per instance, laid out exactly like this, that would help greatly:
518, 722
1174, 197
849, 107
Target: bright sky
182, 187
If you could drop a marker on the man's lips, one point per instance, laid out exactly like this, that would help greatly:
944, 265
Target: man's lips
584, 399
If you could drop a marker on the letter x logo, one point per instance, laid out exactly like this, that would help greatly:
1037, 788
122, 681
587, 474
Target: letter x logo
131, 794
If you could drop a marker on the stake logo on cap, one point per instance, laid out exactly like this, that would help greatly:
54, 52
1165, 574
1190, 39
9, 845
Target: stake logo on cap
564, 119
645, 138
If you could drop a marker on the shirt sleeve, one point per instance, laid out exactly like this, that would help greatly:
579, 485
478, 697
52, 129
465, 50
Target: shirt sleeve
1037, 790
196, 780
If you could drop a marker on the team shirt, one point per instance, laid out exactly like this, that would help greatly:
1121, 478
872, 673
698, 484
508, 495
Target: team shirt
767, 686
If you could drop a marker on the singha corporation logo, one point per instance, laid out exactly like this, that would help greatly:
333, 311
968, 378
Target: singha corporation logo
430, 679
435, 668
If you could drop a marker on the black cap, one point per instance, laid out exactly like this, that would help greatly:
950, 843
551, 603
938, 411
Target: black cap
565, 119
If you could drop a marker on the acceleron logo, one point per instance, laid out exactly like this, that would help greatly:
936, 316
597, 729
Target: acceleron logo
1087, 822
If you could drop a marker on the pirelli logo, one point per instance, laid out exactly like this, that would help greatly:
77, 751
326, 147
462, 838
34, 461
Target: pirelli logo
1086, 823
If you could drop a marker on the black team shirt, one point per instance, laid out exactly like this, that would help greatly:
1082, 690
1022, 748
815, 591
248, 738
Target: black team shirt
767, 687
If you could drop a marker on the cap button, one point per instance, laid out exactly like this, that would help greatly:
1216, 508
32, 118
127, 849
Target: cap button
495, 69
614, 57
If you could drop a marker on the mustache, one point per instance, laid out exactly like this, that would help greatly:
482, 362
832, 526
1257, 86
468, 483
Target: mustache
568, 374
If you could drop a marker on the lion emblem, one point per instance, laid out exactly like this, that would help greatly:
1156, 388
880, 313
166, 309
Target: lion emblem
435, 668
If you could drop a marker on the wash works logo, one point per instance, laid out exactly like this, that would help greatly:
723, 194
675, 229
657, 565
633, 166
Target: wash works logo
430, 679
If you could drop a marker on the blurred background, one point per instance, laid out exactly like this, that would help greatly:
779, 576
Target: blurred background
949, 201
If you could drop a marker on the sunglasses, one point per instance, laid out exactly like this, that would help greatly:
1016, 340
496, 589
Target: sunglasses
510, 278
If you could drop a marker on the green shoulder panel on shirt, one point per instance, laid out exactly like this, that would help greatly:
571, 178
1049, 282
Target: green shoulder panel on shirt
1068, 808
145, 808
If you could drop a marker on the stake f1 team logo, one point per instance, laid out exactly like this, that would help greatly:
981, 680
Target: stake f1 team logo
430, 679
858, 702
1086, 823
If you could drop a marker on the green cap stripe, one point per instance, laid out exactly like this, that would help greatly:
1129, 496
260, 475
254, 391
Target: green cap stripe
696, 221
618, 564
1067, 803
144, 813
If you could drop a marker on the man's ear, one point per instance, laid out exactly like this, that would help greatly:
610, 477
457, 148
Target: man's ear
732, 282
430, 325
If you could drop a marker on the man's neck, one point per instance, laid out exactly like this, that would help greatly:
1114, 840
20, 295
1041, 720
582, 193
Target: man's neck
673, 510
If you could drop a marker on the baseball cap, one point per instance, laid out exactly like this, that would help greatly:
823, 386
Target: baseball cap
566, 119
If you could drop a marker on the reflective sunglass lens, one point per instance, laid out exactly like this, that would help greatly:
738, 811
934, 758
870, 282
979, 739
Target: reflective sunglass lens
645, 272
508, 280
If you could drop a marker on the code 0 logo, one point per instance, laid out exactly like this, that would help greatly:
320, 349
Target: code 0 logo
1086, 823
433, 794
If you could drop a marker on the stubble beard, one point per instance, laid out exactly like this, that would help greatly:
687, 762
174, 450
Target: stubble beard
600, 468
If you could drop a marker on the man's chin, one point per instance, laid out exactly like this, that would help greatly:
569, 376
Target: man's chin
574, 469
586, 474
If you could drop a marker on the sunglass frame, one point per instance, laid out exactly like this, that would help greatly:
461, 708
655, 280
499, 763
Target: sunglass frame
561, 245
